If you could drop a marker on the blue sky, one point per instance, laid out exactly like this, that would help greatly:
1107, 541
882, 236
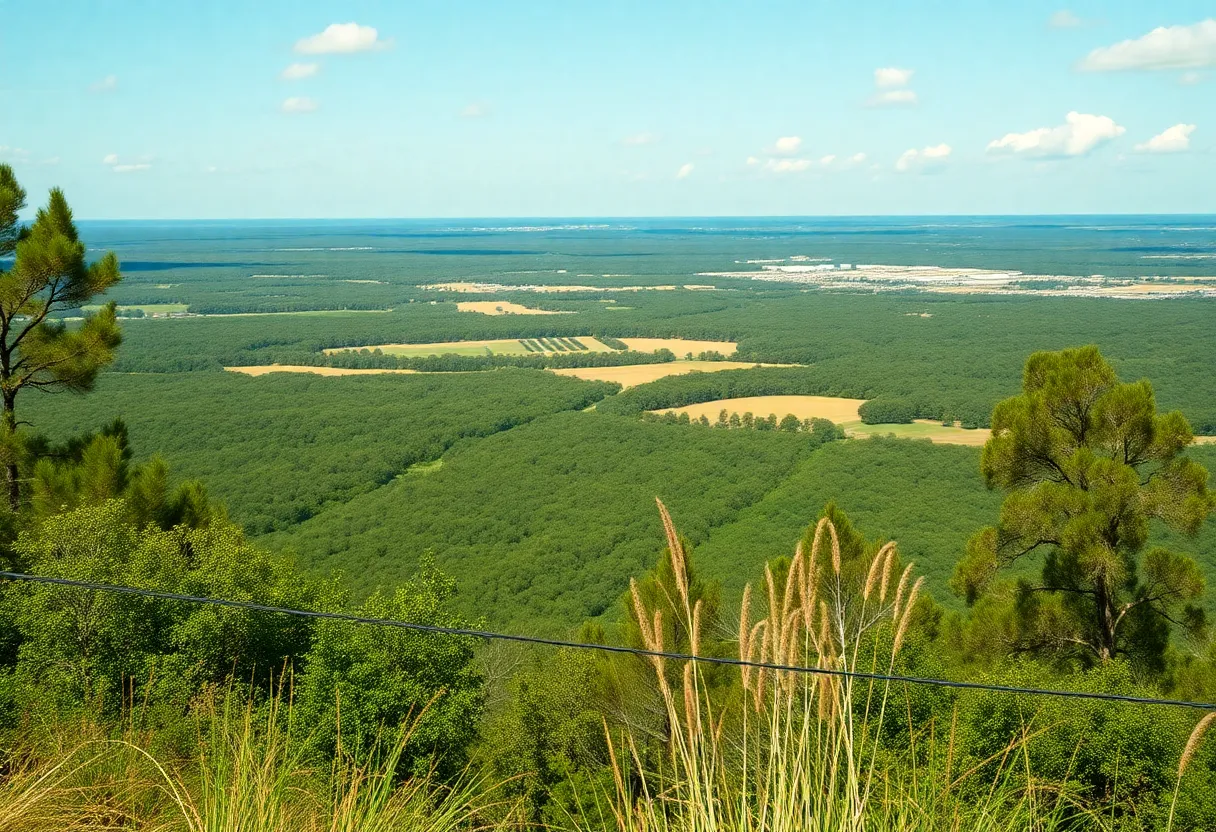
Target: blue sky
456, 108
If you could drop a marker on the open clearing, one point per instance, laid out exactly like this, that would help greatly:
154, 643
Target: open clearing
303, 368
680, 346
631, 375
922, 429
804, 407
841, 411
149, 309
514, 346
498, 346
503, 307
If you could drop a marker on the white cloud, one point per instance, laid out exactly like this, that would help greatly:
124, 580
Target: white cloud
474, 110
295, 72
639, 139
857, 158
787, 145
827, 160
1190, 79
1079, 134
890, 76
787, 165
752, 160
298, 104
112, 161
1173, 140
14, 153
891, 88
926, 160
1166, 47
107, 84
684, 171
1064, 19
341, 38
893, 98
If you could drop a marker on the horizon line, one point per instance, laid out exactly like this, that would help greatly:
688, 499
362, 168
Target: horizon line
618, 217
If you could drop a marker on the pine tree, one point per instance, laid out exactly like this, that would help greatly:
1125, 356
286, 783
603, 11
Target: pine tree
48, 274
1087, 463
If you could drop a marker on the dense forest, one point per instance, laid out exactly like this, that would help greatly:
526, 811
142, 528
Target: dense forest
280, 448
959, 361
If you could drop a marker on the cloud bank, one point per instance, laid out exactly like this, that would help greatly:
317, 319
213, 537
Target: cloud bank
1173, 140
1079, 134
341, 39
1166, 47
926, 160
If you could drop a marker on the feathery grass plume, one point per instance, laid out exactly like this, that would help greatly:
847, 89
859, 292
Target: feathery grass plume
906, 619
774, 614
806, 584
678, 565
695, 637
692, 714
872, 575
745, 634
835, 547
791, 583
639, 610
1188, 753
762, 675
886, 572
1192, 743
824, 644
899, 592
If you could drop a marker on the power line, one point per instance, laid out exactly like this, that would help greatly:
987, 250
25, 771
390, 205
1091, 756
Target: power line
604, 648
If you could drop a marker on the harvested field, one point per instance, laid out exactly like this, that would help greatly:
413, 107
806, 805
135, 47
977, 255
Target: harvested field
922, 429
500, 346
841, 411
503, 307
1205, 440
680, 346
303, 368
512, 346
834, 409
632, 375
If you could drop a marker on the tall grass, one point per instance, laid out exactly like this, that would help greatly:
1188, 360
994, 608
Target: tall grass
250, 775
803, 752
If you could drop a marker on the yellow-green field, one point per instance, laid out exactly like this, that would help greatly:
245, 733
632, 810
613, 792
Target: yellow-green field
631, 375
149, 309
499, 346
503, 307
304, 368
834, 409
680, 346
921, 429
512, 346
